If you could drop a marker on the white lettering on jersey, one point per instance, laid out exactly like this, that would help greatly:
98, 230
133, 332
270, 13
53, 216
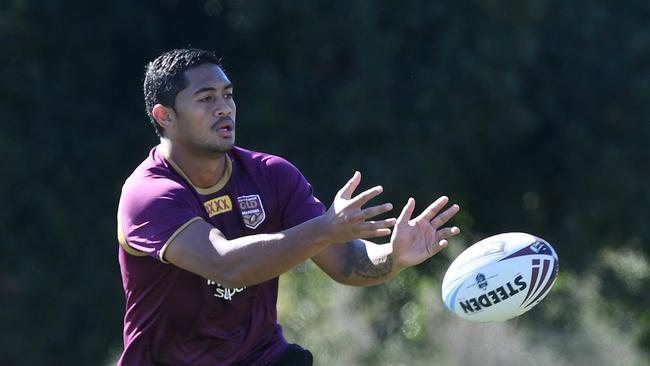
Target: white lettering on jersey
225, 293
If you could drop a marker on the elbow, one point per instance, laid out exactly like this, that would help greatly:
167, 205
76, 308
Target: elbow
230, 275
226, 269
232, 280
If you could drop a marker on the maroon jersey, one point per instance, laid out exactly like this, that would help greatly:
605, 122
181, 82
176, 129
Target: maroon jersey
174, 317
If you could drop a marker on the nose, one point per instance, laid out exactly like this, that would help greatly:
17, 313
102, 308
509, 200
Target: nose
223, 108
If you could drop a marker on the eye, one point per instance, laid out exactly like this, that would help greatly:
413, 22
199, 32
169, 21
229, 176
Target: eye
206, 99
228, 95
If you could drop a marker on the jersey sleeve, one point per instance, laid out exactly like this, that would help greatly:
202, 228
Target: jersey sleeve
151, 214
294, 192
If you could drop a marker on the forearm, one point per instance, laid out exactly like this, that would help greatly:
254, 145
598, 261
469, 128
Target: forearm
257, 258
247, 260
358, 263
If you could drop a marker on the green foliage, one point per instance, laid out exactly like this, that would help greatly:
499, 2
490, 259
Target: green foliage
531, 115
345, 326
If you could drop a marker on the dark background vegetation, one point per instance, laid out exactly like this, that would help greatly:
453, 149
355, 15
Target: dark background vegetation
532, 115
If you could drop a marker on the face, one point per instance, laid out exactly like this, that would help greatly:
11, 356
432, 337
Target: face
205, 112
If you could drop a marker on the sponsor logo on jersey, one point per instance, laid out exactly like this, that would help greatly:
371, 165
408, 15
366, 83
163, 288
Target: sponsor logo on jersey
251, 210
218, 205
225, 293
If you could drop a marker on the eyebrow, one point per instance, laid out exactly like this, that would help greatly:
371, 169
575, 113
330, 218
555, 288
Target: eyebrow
210, 88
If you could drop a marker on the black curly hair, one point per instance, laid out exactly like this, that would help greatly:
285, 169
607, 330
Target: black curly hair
164, 77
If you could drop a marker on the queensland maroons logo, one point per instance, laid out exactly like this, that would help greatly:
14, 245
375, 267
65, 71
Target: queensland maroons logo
252, 211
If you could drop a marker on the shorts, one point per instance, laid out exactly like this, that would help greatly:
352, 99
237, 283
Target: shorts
295, 355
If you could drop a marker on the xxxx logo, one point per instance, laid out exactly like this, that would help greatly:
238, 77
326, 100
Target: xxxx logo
218, 205
252, 210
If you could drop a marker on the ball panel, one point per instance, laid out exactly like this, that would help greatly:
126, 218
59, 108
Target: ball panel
500, 277
493, 293
538, 290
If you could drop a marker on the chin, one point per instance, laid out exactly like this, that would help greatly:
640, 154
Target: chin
223, 148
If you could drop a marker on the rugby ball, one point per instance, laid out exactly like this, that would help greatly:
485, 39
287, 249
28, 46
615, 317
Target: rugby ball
500, 277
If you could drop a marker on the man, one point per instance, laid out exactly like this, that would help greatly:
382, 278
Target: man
205, 229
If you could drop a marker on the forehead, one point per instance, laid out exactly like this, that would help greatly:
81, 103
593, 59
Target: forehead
205, 76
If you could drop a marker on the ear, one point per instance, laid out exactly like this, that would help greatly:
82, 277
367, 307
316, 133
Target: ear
165, 116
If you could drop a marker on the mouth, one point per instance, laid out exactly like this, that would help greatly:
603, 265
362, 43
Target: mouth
225, 125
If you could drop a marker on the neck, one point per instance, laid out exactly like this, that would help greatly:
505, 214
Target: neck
203, 170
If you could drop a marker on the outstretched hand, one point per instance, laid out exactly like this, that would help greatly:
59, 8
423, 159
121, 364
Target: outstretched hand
415, 240
348, 220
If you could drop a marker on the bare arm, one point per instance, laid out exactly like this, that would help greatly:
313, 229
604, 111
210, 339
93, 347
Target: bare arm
202, 249
358, 262
363, 263
245, 261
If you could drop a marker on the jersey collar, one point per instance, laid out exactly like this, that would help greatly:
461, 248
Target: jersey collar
203, 191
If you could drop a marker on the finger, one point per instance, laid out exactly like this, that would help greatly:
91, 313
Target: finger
434, 247
349, 187
377, 225
430, 212
448, 232
407, 211
376, 233
373, 211
365, 196
441, 245
445, 216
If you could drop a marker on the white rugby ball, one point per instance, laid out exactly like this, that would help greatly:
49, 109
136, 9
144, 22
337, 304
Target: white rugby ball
500, 277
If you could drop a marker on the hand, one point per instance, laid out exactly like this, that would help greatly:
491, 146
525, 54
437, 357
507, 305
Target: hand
347, 220
420, 238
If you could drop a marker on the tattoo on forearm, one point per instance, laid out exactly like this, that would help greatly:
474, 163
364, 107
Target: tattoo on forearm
357, 262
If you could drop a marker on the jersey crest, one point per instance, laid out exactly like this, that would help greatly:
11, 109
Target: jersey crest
252, 211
